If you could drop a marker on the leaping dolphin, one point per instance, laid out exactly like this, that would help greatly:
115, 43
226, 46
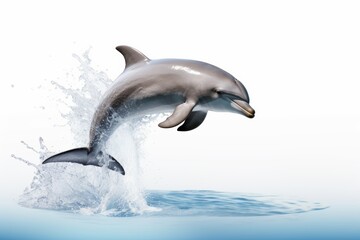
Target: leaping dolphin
187, 88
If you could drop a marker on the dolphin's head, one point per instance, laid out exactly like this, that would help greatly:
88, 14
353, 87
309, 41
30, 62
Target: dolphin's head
230, 95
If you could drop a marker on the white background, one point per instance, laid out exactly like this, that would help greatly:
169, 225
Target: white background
299, 60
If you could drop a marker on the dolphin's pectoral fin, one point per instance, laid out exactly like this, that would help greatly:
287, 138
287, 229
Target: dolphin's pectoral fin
181, 112
194, 120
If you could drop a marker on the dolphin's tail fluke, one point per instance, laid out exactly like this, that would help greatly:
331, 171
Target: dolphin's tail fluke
85, 157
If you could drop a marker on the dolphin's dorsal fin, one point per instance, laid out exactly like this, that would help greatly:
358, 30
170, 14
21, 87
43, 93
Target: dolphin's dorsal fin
131, 55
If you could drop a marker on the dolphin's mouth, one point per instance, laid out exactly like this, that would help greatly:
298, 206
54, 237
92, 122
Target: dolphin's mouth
243, 107
239, 104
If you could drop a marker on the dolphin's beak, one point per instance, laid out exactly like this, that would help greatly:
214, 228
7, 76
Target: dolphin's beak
243, 107
237, 101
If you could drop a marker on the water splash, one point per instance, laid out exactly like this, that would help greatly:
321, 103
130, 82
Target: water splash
85, 99
89, 189
83, 189
25, 161
42, 153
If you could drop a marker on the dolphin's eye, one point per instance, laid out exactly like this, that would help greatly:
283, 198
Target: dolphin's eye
215, 90
231, 95
214, 93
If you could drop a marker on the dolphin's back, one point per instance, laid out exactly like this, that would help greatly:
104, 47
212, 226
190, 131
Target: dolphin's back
136, 92
146, 87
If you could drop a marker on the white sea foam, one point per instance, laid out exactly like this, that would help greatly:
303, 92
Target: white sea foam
89, 189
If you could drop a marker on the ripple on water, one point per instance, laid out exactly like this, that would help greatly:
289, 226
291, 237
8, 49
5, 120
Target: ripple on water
67, 187
213, 203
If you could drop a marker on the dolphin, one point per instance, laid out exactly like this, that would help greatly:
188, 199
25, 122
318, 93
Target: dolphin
187, 88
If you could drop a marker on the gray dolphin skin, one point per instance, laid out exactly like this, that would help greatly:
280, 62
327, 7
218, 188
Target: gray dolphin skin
187, 88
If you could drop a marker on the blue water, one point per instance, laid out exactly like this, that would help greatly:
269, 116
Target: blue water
107, 205
201, 217
90, 190
213, 203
